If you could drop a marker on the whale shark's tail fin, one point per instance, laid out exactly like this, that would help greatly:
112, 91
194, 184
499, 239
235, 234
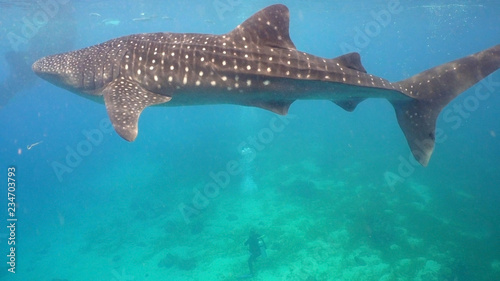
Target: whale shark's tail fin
432, 90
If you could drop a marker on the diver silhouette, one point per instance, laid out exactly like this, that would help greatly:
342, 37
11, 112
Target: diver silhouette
257, 248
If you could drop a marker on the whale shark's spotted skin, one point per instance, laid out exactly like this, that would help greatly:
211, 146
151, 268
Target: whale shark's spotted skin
256, 64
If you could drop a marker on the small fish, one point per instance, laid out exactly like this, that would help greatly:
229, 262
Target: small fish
30, 146
111, 22
143, 18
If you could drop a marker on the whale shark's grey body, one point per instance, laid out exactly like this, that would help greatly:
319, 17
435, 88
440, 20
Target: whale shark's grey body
258, 65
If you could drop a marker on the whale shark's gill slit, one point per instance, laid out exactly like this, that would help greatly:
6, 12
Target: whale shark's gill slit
121, 61
93, 80
82, 81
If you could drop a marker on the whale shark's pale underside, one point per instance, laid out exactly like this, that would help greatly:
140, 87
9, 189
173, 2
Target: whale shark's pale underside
256, 64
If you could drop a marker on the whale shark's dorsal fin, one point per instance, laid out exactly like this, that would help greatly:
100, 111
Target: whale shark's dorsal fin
268, 27
352, 61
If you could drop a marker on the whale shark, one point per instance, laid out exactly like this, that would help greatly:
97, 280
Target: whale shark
256, 64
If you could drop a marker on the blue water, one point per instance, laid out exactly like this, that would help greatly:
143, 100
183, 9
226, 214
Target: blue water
336, 195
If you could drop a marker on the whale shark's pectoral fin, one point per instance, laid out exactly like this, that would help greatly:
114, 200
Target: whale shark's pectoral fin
125, 100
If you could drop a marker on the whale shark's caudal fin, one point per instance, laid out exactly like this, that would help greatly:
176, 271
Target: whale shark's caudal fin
432, 90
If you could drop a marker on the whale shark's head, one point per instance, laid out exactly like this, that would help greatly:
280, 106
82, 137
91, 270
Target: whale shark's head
84, 71
61, 70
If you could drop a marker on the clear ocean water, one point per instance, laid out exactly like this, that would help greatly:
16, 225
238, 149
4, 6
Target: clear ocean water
336, 195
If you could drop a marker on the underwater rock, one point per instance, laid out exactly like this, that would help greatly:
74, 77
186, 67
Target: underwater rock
430, 271
495, 265
186, 264
172, 227
168, 261
359, 261
303, 189
415, 242
462, 268
197, 227
232, 217
171, 260
394, 247
383, 232
141, 215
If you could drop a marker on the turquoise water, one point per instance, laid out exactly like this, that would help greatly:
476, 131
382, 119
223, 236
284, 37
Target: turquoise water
336, 194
